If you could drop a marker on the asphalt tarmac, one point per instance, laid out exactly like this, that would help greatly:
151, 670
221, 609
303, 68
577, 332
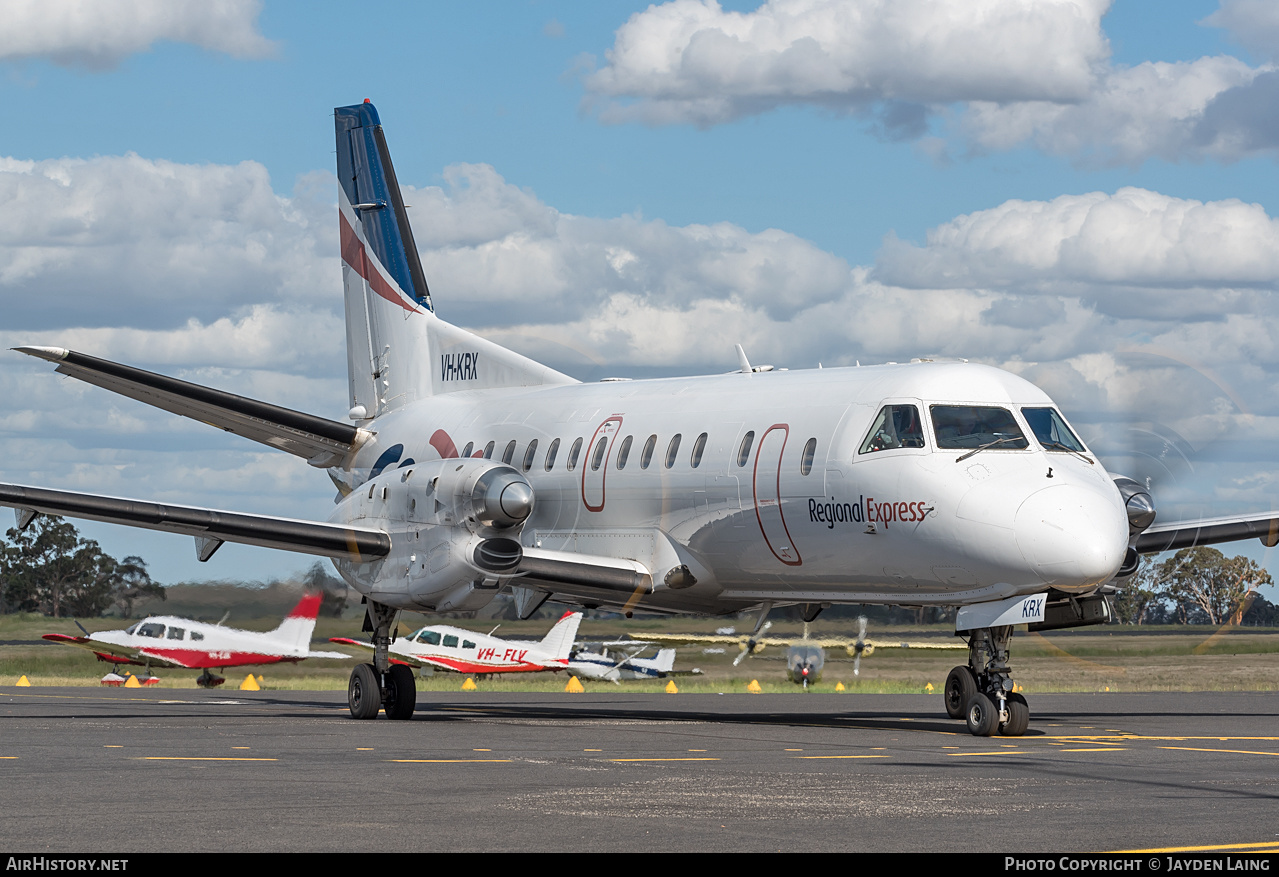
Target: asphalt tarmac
122, 770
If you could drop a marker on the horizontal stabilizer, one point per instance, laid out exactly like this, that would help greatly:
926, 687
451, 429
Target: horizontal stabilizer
320, 441
1213, 531
356, 544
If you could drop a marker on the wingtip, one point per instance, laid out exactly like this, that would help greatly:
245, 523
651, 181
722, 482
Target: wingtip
53, 354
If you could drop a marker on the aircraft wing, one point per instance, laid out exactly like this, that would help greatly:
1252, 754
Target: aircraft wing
407, 660
209, 527
321, 442
1212, 531
114, 654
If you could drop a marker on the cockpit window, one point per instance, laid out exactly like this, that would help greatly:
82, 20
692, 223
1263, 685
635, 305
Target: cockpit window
152, 630
973, 426
1051, 430
430, 637
897, 426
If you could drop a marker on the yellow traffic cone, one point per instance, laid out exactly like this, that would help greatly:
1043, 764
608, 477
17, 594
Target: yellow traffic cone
670, 687
574, 686
469, 684
23, 681
754, 688
929, 688
250, 684
132, 682
839, 686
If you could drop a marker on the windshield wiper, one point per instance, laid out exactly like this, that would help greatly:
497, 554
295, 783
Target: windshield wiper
1009, 438
1059, 446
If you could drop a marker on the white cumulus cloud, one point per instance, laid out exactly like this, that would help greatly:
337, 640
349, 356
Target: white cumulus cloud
98, 34
691, 61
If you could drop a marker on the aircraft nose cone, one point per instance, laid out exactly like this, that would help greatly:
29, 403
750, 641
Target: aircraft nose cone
1072, 535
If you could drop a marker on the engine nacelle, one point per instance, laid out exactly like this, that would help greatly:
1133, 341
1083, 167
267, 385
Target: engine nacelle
454, 528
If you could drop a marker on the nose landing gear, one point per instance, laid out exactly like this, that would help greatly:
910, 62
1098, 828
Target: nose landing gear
982, 693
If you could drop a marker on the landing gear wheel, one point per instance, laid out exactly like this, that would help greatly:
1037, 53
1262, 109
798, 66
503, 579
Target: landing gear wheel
960, 688
401, 693
982, 716
1018, 716
363, 694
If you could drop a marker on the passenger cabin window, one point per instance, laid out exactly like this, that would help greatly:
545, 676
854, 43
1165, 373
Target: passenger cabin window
467, 644
550, 455
153, 630
597, 459
672, 450
1051, 430
450, 642
744, 450
196, 635
646, 455
976, 427
488, 450
528, 455
430, 637
509, 454
806, 461
572, 454
177, 632
897, 426
466, 451
624, 452
698, 447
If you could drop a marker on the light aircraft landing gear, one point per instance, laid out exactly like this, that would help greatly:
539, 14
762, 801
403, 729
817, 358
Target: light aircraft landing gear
381, 685
982, 693
206, 679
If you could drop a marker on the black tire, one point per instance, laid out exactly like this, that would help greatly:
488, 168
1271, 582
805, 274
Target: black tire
401, 693
363, 693
1018, 716
981, 715
960, 688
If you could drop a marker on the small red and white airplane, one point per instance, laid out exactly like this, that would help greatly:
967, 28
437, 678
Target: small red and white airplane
168, 641
442, 647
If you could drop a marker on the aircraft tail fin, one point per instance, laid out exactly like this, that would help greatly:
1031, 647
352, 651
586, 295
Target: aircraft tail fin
397, 349
296, 628
559, 641
665, 660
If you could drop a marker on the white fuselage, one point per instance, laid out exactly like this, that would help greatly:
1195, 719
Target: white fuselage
912, 525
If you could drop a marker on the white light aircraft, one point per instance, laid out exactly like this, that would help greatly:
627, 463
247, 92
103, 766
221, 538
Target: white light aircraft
620, 661
167, 641
443, 647
467, 469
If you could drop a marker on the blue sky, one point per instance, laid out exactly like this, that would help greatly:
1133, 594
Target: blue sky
1078, 190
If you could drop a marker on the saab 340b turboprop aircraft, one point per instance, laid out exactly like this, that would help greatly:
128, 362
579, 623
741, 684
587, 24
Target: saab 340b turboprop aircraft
467, 469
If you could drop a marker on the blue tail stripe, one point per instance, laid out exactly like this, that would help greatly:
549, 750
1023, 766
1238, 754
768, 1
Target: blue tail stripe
367, 177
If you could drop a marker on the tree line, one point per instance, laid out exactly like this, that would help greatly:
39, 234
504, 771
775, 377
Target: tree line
1196, 586
48, 568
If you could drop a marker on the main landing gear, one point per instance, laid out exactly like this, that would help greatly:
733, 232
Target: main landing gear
381, 685
982, 693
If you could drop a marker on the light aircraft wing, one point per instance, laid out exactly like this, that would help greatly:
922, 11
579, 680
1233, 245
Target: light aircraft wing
847, 643
321, 442
408, 660
210, 527
116, 654
1211, 531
